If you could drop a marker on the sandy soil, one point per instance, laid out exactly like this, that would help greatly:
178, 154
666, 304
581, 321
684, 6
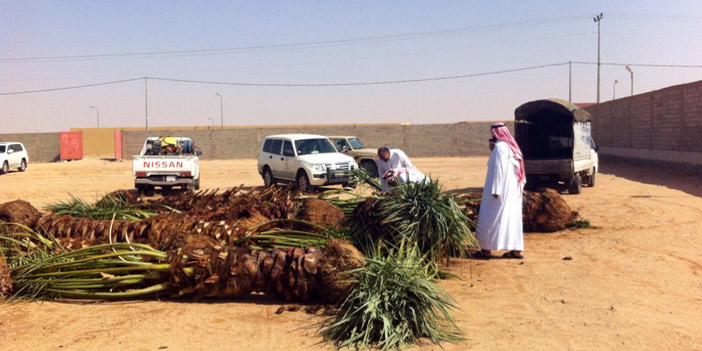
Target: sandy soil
632, 282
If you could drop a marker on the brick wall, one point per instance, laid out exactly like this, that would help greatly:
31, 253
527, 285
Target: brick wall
423, 140
41, 147
663, 126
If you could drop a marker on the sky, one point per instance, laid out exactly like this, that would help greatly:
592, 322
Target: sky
74, 64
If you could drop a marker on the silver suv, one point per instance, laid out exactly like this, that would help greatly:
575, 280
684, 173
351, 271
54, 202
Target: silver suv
308, 160
13, 155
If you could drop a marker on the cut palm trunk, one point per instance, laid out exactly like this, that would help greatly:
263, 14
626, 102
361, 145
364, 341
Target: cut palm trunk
20, 212
75, 233
272, 202
202, 268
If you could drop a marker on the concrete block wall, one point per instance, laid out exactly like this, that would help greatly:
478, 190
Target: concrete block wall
662, 127
423, 140
41, 147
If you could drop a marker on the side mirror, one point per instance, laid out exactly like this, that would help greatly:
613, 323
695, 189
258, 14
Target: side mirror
288, 153
10, 151
597, 148
198, 153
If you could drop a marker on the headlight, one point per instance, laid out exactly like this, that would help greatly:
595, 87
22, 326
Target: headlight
319, 167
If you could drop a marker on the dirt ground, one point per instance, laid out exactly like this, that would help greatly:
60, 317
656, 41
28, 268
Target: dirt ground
634, 281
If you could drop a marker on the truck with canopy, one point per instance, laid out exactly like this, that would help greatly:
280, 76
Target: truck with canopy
555, 138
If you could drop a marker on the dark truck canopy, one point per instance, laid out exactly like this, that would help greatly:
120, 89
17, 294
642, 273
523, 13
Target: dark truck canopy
544, 128
550, 108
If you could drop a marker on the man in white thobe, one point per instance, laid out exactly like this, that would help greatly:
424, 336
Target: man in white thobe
394, 164
500, 216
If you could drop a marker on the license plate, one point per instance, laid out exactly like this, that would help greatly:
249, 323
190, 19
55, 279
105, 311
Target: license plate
170, 178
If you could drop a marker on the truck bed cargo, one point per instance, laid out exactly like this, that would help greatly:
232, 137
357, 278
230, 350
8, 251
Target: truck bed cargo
166, 162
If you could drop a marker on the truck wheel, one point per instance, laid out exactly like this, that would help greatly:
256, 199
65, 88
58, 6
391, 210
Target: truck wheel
5, 168
303, 182
23, 166
148, 190
576, 184
370, 167
591, 179
268, 179
194, 185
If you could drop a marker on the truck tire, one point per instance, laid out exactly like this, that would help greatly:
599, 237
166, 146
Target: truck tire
194, 185
23, 166
5, 168
268, 179
576, 184
370, 167
591, 179
302, 182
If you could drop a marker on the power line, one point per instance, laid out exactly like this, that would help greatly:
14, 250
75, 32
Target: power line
638, 64
72, 87
418, 80
302, 45
655, 17
403, 81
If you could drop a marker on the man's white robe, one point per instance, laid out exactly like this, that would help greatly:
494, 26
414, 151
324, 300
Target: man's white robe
398, 159
500, 219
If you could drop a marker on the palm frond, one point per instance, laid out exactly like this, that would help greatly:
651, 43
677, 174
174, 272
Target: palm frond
415, 212
105, 208
393, 304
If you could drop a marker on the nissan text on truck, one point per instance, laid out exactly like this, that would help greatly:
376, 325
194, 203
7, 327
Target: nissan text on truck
555, 138
166, 162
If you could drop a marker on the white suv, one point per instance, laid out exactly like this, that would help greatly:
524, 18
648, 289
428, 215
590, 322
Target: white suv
306, 159
13, 155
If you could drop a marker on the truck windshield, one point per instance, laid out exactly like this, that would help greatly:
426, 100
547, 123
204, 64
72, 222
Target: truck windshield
355, 143
314, 146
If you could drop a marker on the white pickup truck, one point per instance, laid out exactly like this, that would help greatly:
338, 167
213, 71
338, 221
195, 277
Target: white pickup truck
166, 162
555, 138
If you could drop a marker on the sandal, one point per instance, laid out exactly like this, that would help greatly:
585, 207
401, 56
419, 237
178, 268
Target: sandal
512, 254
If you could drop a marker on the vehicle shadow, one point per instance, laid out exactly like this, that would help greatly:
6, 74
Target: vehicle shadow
686, 180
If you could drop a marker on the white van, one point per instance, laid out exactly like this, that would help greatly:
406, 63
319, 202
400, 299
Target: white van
308, 160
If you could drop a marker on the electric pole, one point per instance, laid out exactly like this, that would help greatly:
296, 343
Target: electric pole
597, 20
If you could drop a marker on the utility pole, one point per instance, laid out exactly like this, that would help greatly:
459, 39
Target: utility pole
614, 90
221, 111
632, 79
98, 114
570, 81
146, 101
597, 20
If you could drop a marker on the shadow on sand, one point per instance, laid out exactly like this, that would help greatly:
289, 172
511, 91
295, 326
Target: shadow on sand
688, 181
